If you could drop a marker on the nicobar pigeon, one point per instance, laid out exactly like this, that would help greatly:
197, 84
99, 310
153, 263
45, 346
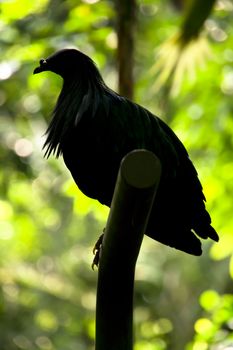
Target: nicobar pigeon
93, 128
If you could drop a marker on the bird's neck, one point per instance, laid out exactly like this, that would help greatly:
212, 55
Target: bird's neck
78, 99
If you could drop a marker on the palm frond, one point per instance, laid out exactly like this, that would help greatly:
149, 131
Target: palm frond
186, 51
176, 61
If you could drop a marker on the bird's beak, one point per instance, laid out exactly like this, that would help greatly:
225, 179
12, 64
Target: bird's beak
42, 67
38, 70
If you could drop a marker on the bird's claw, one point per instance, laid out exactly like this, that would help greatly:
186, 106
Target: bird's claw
96, 251
95, 261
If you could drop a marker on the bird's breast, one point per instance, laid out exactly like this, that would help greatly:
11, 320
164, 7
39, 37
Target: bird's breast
92, 163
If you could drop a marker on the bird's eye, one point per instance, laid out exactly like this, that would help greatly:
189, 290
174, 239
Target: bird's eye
42, 62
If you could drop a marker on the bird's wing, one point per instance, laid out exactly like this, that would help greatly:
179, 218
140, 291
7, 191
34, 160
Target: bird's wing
179, 208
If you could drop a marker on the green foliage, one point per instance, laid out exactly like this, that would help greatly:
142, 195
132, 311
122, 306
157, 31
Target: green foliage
48, 228
214, 331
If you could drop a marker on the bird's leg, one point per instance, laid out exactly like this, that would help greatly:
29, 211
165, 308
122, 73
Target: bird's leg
96, 250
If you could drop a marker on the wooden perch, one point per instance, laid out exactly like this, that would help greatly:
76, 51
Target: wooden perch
136, 185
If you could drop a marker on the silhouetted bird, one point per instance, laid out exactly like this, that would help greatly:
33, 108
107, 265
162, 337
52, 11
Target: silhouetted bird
93, 128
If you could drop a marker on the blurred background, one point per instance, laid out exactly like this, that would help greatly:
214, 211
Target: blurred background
182, 72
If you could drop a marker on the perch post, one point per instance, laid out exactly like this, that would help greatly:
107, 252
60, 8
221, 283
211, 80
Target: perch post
136, 185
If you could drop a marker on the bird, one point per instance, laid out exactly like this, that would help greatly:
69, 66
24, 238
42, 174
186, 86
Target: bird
93, 127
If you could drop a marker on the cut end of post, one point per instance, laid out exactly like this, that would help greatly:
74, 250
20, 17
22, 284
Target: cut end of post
141, 168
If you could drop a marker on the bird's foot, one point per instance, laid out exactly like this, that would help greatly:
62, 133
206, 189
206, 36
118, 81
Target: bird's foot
96, 251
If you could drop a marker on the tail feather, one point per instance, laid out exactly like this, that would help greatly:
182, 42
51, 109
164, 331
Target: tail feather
184, 240
207, 231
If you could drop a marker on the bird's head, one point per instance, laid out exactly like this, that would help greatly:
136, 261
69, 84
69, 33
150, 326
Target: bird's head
67, 63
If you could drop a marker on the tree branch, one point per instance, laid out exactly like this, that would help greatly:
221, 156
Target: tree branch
197, 12
126, 20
